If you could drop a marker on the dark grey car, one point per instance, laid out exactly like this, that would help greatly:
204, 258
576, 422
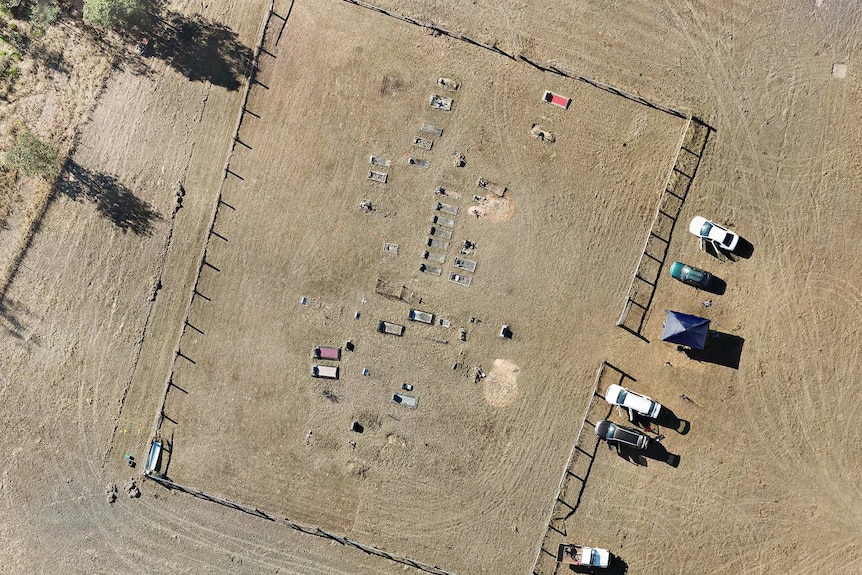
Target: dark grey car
613, 433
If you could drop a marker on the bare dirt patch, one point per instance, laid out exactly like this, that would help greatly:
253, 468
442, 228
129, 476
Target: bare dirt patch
500, 387
494, 208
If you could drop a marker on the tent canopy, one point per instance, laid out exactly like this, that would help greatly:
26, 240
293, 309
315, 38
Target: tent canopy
685, 329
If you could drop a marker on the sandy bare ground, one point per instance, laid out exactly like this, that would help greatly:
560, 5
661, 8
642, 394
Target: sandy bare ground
768, 469
468, 470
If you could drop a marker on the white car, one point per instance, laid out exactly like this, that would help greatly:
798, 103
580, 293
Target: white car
568, 554
618, 395
712, 232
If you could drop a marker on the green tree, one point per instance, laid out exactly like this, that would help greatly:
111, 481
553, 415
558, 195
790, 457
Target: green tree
109, 13
44, 12
31, 156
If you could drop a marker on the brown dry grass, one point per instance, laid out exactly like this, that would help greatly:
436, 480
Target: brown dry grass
61, 72
767, 471
470, 469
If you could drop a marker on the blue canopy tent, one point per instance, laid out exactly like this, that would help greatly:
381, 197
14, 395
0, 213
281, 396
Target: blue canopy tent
685, 329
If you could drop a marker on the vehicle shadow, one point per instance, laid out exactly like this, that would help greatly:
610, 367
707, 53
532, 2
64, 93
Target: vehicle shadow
721, 349
669, 420
655, 451
666, 419
112, 199
717, 286
617, 566
744, 250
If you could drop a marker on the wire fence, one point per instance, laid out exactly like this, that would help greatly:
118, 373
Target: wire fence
677, 186
639, 297
301, 527
250, 79
160, 417
550, 67
576, 472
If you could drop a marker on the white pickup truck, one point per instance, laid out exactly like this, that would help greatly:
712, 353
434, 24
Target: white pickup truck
568, 554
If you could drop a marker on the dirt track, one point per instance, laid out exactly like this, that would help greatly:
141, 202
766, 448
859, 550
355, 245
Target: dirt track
768, 469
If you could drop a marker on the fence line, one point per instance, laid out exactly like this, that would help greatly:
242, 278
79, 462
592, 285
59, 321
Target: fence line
307, 529
629, 299
316, 530
569, 461
160, 416
550, 67
675, 191
252, 70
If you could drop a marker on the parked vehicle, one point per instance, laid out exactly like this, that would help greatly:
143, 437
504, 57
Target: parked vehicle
568, 554
690, 275
618, 395
613, 433
712, 232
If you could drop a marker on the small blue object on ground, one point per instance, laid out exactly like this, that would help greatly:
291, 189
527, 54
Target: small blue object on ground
364, 371
303, 300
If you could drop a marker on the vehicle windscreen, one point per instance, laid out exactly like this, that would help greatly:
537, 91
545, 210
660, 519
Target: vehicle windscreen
621, 398
705, 228
694, 275
727, 239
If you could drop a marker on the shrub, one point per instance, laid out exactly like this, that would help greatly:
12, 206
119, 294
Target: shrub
44, 12
109, 13
31, 156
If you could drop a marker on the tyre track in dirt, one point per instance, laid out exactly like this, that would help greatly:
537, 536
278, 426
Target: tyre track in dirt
799, 459
797, 260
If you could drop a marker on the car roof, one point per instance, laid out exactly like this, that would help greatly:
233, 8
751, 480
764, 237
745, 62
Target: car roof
602, 427
627, 435
613, 392
696, 223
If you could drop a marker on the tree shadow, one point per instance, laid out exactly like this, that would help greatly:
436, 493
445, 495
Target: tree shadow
200, 49
112, 199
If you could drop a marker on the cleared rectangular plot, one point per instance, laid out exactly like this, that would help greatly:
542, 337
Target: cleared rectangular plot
465, 480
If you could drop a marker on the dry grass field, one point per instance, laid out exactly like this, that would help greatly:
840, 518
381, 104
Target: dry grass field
766, 474
470, 470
